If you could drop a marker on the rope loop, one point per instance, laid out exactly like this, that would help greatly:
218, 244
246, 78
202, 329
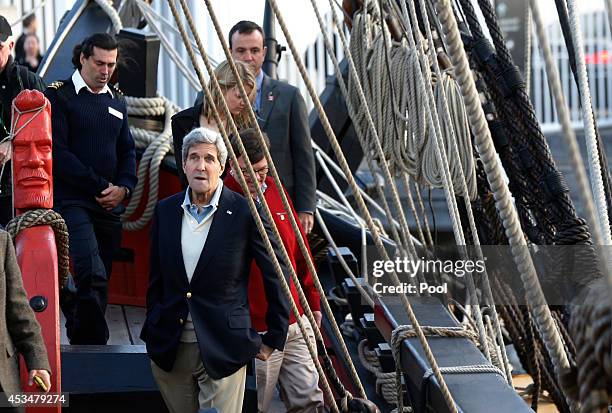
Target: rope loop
38, 217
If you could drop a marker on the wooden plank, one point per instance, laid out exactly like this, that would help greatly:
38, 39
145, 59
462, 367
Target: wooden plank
117, 325
523, 380
134, 317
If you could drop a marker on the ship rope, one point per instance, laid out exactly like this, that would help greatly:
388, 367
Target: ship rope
493, 169
460, 240
155, 146
564, 21
385, 381
456, 153
293, 222
265, 209
577, 163
565, 228
111, 12
589, 127
41, 217
362, 207
414, 124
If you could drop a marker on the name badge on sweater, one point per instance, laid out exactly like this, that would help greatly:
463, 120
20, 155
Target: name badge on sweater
115, 112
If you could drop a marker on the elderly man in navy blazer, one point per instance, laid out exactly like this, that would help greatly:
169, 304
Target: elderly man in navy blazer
198, 327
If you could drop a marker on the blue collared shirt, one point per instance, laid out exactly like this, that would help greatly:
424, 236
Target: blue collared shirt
200, 213
259, 82
263, 191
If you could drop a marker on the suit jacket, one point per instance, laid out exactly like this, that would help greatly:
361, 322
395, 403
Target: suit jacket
216, 297
283, 116
19, 330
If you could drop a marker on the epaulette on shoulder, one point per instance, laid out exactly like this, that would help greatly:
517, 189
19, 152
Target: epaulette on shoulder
56, 85
116, 89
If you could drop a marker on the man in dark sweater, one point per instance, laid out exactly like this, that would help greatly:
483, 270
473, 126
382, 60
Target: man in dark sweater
94, 171
13, 79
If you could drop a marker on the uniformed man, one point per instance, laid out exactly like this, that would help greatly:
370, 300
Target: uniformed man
13, 79
94, 171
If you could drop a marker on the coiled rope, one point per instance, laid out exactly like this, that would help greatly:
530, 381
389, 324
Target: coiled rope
412, 148
591, 330
107, 7
385, 381
453, 148
156, 146
40, 217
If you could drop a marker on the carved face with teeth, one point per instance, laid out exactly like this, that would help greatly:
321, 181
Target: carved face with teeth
32, 157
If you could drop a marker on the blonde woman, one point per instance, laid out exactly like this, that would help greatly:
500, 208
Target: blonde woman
202, 114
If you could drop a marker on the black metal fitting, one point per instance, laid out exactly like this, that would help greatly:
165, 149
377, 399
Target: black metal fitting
499, 134
510, 80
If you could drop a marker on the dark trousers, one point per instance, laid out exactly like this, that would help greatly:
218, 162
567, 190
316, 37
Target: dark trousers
94, 236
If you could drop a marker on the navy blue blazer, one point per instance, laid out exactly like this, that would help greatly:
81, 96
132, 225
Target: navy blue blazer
216, 297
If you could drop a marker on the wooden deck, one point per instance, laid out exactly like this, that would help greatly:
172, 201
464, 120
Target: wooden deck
524, 380
124, 324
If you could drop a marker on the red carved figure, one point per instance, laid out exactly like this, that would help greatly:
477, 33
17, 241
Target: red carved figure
32, 162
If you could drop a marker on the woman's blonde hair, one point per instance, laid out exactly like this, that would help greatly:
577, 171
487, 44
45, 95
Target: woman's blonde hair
227, 81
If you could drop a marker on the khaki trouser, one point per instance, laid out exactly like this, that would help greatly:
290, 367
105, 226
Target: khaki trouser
295, 373
188, 388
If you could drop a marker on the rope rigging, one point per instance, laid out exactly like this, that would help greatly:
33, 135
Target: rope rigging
509, 216
156, 146
416, 121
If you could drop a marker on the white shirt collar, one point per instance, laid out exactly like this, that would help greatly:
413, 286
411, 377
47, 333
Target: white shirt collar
79, 84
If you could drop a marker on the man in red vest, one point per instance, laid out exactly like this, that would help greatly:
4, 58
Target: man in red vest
293, 367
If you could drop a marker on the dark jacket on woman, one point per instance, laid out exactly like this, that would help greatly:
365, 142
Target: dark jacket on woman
182, 123
23, 62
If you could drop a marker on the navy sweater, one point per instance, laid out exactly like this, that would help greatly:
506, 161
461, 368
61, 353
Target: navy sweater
91, 146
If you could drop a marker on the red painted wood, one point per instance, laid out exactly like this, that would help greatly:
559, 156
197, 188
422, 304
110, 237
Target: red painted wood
129, 280
37, 258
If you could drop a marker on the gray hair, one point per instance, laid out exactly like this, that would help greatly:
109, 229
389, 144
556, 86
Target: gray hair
205, 135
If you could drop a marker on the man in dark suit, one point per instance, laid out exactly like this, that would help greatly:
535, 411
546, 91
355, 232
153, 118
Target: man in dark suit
282, 115
19, 330
198, 326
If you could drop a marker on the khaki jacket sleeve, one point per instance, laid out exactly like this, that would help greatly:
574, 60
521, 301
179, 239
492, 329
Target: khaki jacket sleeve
21, 323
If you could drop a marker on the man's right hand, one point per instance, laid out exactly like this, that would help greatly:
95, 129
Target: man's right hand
111, 197
42, 374
264, 352
5, 152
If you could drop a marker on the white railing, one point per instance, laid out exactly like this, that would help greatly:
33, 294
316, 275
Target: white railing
598, 53
317, 62
171, 82
48, 14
